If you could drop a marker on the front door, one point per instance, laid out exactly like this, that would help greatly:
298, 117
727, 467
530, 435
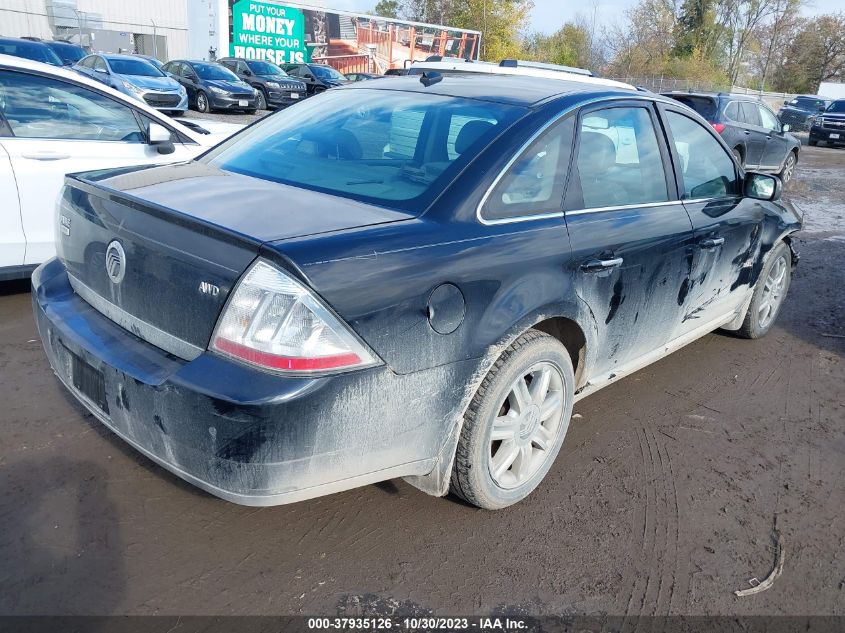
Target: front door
727, 226
630, 235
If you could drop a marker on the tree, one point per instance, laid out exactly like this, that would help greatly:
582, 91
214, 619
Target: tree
387, 8
816, 54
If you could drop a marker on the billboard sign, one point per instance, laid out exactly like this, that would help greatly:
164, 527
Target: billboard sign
292, 33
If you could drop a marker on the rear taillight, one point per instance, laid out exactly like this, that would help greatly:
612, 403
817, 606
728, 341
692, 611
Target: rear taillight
719, 127
274, 322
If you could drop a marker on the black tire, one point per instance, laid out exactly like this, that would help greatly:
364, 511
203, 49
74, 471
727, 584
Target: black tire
812, 143
202, 102
789, 167
472, 479
249, 111
262, 99
752, 327
176, 113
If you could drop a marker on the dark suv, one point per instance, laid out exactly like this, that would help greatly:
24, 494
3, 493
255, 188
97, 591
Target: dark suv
757, 139
829, 126
317, 77
799, 112
275, 88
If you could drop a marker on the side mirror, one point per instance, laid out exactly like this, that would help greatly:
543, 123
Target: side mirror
763, 187
160, 138
247, 72
308, 77
786, 128
102, 71
822, 108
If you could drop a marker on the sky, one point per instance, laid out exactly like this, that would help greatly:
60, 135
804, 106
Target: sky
550, 15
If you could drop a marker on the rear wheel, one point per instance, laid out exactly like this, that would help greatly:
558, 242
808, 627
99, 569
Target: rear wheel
202, 102
515, 424
769, 293
788, 167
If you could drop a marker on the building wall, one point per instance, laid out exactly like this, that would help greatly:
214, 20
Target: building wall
24, 17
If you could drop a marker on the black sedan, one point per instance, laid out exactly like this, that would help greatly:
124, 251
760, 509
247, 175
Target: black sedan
212, 86
409, 278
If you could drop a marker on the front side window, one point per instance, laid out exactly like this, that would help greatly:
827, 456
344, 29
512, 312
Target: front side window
619, 160
100, 65
382, 147
63, 111
708, 170
534, 184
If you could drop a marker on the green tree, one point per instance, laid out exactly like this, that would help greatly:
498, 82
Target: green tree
387, 8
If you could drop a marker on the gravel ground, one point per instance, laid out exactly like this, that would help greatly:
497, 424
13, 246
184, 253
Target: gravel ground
228, 117
664, 500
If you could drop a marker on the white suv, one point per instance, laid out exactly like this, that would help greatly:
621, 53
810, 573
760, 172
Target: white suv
55, 121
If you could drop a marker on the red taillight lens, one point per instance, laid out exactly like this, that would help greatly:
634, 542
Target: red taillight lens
719, 127
274, 322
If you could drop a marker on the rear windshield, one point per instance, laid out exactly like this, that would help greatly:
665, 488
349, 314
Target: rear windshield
705, 106
35, 51
391, 148
837, 106
138, 67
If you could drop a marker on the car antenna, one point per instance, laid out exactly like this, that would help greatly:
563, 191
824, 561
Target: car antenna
430, 78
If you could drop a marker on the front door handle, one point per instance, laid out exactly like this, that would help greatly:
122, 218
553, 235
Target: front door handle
46, 156
597, 265
711, 242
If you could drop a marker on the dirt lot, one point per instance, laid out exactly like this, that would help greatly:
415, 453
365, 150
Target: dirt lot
664, 499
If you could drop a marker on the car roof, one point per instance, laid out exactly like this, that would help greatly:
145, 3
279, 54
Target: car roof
62, 43
21, 40
117, 56
510, 89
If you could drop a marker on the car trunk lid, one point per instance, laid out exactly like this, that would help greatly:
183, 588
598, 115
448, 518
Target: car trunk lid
178, 238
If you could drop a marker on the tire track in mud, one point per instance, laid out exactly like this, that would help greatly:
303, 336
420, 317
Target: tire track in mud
654, 591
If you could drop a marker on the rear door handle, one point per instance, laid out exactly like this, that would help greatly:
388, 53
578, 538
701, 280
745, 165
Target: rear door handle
46, 156
711, 242
597, 265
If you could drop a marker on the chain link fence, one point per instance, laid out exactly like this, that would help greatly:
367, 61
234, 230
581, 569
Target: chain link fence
659, 83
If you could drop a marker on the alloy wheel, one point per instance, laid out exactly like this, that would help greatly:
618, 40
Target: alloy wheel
788, 168
525, 431
773, 294
262, 101
202, 103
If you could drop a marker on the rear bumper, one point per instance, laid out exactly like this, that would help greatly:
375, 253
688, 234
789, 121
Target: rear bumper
244, 435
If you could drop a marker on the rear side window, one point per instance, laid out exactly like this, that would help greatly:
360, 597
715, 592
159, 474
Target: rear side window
705, 106
396, 149
708, 171
749, 113
733, 112
619, 160
534, 183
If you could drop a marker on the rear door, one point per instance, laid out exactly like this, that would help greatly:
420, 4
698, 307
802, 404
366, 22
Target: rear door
630, 235
755, 134
776, 144
69, 128
727, 226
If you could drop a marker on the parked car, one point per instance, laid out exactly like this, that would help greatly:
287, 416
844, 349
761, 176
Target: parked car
799, 111
362, 76
757, 139
397, 72
212, 86
275, 88
54, 121
136, 78
303, 310
317, 77
829, 126
155, 61
29, 49
68, 52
